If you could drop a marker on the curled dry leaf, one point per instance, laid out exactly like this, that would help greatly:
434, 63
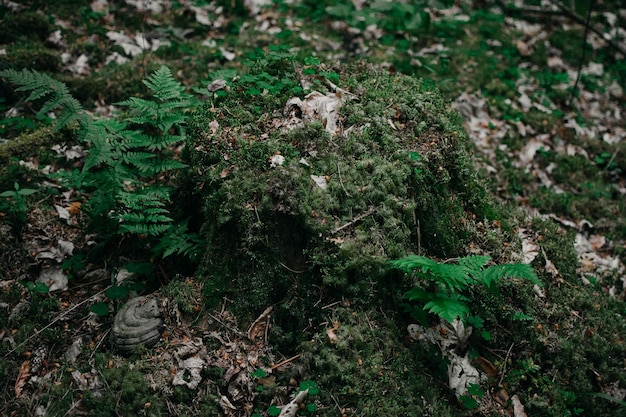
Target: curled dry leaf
332, 336
320, 181
259, 326
22, 377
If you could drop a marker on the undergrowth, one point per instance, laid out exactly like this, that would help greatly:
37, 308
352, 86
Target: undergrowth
129, 164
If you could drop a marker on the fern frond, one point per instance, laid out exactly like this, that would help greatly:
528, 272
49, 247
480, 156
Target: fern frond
178, 241
448, 309
164, 85
137, 139
142, 199
101, 150
141, 160
452, 277
474, 264
41, 85
166, 121
413, 262
147, 110
144, 229
493, 274
141, 218
166, 165
161, 142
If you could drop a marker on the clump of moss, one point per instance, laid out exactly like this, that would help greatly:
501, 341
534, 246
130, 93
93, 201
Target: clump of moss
364, 369
567, 349
397, 179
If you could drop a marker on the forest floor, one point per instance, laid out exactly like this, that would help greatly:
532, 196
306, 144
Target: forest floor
543, 102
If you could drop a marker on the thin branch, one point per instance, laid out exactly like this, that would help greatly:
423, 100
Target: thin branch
582, 57
504, 367
564, 11
53, 322
356, 219
286, 361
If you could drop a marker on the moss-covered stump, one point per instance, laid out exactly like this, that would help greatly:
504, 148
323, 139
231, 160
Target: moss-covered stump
302, 217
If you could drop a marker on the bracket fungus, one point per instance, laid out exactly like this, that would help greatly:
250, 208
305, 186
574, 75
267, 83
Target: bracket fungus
138, 323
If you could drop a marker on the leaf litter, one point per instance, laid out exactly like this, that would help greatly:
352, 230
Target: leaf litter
239, 355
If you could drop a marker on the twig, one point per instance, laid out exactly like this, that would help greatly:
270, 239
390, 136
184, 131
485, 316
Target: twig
229, 327
341, 181
563, 11
99, 343
286, 361
582, 57
289, 269
53, 322
606, 167
331, 305
356, 219
504, 367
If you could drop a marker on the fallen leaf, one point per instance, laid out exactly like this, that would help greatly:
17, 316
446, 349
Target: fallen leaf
320, 181
487, 367
518, 407
74, 208
332, 336
259, 326
22, 376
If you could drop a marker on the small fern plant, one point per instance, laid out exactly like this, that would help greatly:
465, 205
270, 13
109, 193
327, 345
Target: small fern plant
156, 125
445, 283
129, 160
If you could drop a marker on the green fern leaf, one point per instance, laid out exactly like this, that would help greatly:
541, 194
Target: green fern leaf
448, 309
164, 85
178, 241
141, 160
412, 262
418, 294
164, 165
146, 110
41, 85
474, 264
453, 277
493, 274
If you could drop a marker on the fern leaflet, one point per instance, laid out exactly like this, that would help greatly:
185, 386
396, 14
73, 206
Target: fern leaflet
452, 279
41, 85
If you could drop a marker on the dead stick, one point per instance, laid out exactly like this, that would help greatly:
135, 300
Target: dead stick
356, 219
286, 361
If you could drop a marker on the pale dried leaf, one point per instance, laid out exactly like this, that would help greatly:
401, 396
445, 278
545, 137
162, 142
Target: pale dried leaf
54, 278
188, 373
518, 407
461, 373
320, 181
291, 409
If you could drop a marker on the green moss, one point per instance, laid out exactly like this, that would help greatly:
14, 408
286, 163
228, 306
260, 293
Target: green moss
23, 26
32, 56
26, 143
365, 370
398, 182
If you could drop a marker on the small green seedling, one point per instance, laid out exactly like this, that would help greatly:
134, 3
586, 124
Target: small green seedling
17, 203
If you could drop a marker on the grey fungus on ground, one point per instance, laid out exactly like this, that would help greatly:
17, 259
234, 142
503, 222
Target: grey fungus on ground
138, 323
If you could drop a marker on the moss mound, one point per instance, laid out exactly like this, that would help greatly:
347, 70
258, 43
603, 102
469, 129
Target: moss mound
320, 225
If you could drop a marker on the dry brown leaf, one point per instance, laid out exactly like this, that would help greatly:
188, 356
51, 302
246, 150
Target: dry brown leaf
487, 367
22, 377
257, 328
74, 208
